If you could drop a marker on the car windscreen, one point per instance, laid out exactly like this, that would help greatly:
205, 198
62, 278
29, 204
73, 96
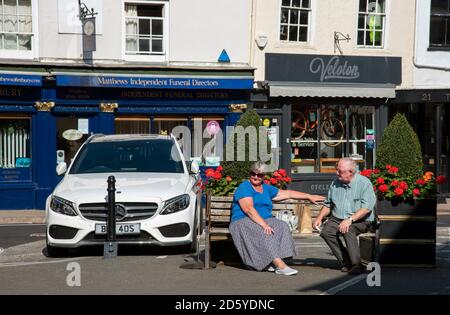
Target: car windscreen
155, 156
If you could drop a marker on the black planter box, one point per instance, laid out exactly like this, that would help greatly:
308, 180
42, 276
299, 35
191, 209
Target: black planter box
407, 233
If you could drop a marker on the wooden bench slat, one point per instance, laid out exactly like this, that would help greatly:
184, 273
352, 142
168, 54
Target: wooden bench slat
221, 205
215, 230
216, 218
220, 212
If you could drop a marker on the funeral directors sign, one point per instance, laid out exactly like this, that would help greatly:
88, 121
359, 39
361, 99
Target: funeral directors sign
333, 69
155, 82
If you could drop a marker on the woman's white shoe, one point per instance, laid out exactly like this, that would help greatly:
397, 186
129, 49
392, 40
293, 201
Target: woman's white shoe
287, 271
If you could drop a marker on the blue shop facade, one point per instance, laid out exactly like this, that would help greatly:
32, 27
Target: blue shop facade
45, 117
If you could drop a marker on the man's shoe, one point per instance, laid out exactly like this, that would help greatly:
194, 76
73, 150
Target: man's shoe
288, 271
356, 270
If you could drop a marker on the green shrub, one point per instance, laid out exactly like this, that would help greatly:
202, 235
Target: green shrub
239, 170
400, 147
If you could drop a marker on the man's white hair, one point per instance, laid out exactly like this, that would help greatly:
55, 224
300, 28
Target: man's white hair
350, 163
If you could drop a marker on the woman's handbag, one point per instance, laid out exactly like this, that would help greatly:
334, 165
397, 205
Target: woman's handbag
289, 217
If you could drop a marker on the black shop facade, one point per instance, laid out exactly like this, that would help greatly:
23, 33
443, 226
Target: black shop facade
326, 107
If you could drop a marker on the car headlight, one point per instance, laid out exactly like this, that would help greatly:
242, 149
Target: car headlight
63, 206
176, 204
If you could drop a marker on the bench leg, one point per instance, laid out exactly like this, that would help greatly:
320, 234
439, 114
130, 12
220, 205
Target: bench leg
207, 249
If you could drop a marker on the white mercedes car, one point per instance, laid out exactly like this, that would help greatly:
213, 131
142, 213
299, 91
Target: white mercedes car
157, 194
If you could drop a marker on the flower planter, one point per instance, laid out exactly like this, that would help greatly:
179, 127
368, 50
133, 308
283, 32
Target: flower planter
407, 233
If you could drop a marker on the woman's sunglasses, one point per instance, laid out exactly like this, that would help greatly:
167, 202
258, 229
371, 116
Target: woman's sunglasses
259, 175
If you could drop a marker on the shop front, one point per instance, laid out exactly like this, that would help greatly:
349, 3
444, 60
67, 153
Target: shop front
331, 107
427, 110
70, 106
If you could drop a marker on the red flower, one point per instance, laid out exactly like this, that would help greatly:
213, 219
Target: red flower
416, 192
388, 166
219, 169
383, 188
393, 170
376, 171
403, 185
209, 172
375, 188
282, 172
217, 175
380, 180
273, 181
395, 183
440, 179
228, 179
267, 181
366, 173
420, 182
287, 179
276, 174
399, 192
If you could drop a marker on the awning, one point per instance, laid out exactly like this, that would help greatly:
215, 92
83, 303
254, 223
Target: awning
331, 90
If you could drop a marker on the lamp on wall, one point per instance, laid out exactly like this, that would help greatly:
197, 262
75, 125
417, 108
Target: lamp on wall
261, 41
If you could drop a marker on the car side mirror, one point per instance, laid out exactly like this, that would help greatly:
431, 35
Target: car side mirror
194, 168
61, 168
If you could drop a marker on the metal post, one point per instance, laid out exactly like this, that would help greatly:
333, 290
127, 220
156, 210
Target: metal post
110, 247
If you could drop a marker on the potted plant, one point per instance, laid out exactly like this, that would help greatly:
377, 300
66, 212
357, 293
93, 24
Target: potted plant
406, 206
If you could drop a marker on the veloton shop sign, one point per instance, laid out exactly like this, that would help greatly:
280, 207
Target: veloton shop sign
333, 69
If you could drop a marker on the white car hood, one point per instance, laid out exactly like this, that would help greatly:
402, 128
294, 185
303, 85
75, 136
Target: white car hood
130, 187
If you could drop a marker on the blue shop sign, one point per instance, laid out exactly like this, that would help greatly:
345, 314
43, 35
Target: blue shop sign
155, 82
22, 80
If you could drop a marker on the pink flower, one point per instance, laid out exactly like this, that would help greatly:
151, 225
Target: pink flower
416, 192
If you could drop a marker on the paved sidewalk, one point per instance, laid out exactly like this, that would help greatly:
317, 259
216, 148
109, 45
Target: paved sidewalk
22, 216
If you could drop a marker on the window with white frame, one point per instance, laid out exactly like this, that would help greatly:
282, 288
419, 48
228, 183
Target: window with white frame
440, 24
371, 23
144, 29
294, 20
16, 25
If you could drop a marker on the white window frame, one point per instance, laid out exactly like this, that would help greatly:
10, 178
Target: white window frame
384, 36
26, 54
308, 33
160, 58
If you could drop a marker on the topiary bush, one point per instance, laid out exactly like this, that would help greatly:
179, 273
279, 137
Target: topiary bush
400, 147
239, 170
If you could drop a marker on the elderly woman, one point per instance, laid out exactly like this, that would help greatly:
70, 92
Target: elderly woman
262, 240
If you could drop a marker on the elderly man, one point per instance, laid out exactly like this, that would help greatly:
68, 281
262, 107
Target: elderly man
351, 200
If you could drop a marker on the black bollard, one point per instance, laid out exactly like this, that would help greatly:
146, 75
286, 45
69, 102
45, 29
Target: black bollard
110, 246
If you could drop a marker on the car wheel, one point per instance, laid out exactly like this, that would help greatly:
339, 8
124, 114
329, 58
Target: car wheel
56, 251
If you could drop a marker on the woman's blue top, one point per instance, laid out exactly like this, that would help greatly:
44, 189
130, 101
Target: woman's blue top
262, 201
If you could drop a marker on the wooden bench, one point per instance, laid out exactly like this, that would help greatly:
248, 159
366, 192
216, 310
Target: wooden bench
218, 215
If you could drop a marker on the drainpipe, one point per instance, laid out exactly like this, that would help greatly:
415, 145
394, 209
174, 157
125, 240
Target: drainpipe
416, 64
252, 30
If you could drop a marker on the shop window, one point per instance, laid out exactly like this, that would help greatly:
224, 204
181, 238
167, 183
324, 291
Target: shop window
440, 24
132, 125
164, 125
16, 25
319, 138
371, 23
295, 20
144, 29
15, 148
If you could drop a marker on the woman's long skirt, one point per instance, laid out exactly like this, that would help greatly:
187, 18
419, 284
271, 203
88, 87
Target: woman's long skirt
258, 249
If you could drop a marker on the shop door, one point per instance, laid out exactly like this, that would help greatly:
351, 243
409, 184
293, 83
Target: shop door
71, 133
273, 124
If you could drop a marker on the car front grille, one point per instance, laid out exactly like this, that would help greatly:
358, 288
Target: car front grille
125, 211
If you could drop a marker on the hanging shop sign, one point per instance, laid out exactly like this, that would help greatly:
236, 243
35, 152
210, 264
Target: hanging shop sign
72, 134
370, 139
